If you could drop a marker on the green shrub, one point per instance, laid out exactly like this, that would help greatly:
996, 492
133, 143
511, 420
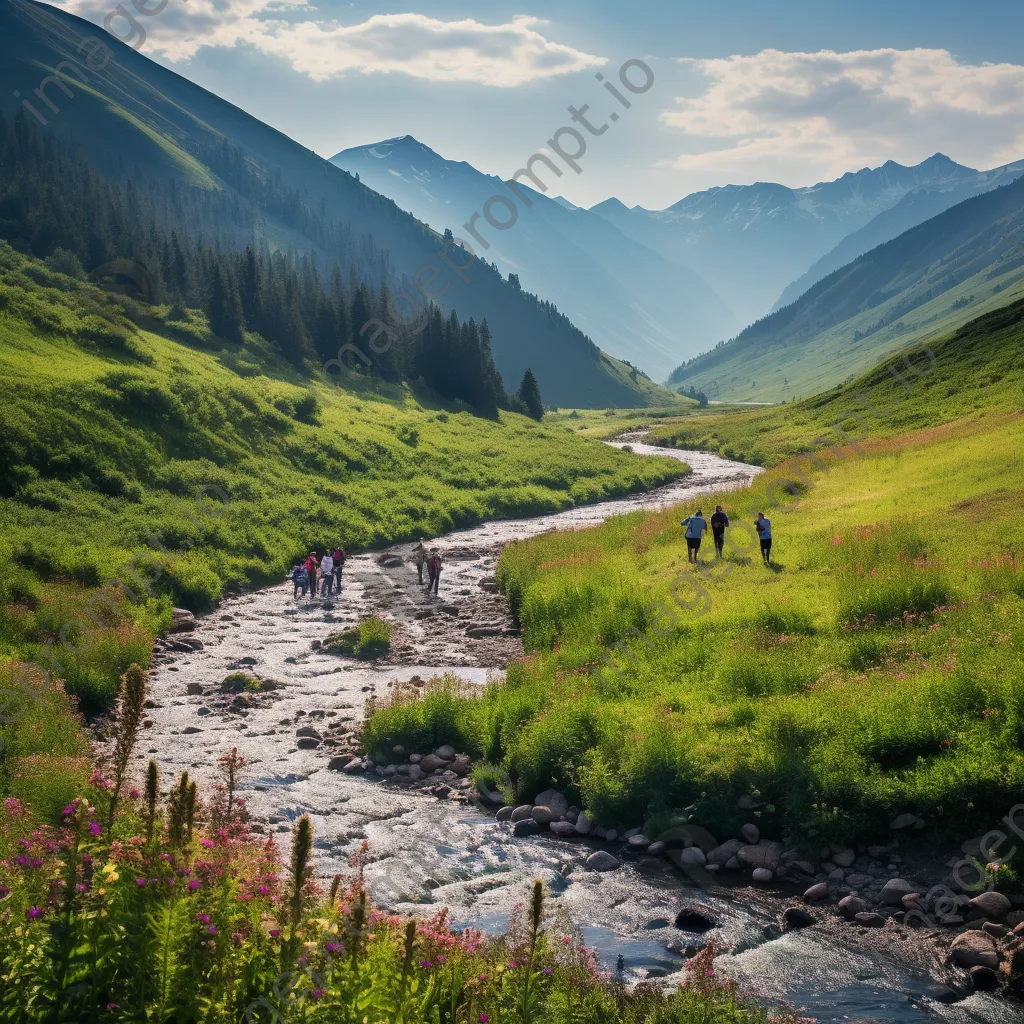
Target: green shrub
370, 639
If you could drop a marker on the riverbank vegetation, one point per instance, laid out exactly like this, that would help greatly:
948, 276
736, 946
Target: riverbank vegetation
874, 669
146, 463
138, 907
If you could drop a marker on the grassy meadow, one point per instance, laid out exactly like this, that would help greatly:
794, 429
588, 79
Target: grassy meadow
975, 371
145, 463
877, 666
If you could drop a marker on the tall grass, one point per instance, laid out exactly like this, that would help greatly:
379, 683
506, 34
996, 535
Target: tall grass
874, 669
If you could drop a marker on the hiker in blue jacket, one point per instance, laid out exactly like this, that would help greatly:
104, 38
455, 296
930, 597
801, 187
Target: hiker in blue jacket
300, 579
696, 526
763, 525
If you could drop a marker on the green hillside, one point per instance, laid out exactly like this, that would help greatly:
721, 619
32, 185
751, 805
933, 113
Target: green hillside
124, 431
976, 370
875, 668
967, 261
208, 170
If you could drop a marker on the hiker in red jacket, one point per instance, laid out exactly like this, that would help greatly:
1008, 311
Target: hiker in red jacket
434, 563
311, 570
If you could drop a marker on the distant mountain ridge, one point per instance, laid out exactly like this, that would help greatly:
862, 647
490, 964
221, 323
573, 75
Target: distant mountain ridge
752, 241
962, 263
631, 300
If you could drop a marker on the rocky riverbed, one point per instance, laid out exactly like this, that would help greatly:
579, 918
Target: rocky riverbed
431, 844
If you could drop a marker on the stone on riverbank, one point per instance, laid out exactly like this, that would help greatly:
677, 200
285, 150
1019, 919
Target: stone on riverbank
892, 893
797, 917
522, 812
724, 853
974, 949
525, 827
554, 800
850, 906
816, 893
994, 905
602, 860
563, 829
764, 855
763, 875
583, 825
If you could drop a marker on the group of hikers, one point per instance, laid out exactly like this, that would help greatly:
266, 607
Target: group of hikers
696, 526
321, 576
318, 576
432, 561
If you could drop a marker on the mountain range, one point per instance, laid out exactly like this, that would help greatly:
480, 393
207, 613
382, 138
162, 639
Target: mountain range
926, 282
142, 123
752, 241
629, 298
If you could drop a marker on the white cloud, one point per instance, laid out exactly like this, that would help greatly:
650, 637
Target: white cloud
774, 114
505, 55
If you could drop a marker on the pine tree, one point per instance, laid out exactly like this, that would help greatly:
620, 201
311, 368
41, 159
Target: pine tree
529, 395
224, 309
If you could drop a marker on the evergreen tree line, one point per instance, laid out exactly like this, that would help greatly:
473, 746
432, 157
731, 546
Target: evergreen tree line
52, 199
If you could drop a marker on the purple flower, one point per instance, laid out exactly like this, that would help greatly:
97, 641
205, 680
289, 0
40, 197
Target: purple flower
333, 947
547, 970
33, 912
274, 932
4, 891
212, 929
203, 918
94, 828
206, 842
316, 993
113, 1006
194, 884
484, 1018
70, 809
263, 890
21, 861
426, 965
140, 882
36, 862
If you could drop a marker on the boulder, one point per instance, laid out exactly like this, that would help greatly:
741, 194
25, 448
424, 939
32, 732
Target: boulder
724, 853
816, 893
975, 949
563, 829
337, 764
878, 852
355, 765
638, 843
892, 893
869, 920
432, 762
307, 743
692, 856
461, 765
805, 866
994, 905
694, 919
194, 689
525, 827
751, 834
843, 858
504, 814
763, 875
308, 730
583, 825
763, 855
797, 917
602, 860
182, 620
522, 812
416, 773
656, 849
997, 931
445, 752
912, 901
611, 835
851, 906
732, 864
543, 815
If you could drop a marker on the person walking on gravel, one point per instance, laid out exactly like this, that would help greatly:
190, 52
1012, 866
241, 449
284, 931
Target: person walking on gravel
763, 525
327, 574
339, 557
719, 521
310, 564
300, 579
434, 564
419, 556
696, 526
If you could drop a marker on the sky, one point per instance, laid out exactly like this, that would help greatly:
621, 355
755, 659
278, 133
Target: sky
724, 93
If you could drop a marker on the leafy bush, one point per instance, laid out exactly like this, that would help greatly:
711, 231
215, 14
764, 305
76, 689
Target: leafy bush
370, 639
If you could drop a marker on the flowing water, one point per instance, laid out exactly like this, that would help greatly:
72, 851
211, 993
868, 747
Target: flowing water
426, 853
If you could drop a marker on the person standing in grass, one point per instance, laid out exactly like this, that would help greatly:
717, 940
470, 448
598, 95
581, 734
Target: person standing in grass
763, 525
327, 574
339, 557
419, 556
696, 526
434, 571
719, 521
311, 573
